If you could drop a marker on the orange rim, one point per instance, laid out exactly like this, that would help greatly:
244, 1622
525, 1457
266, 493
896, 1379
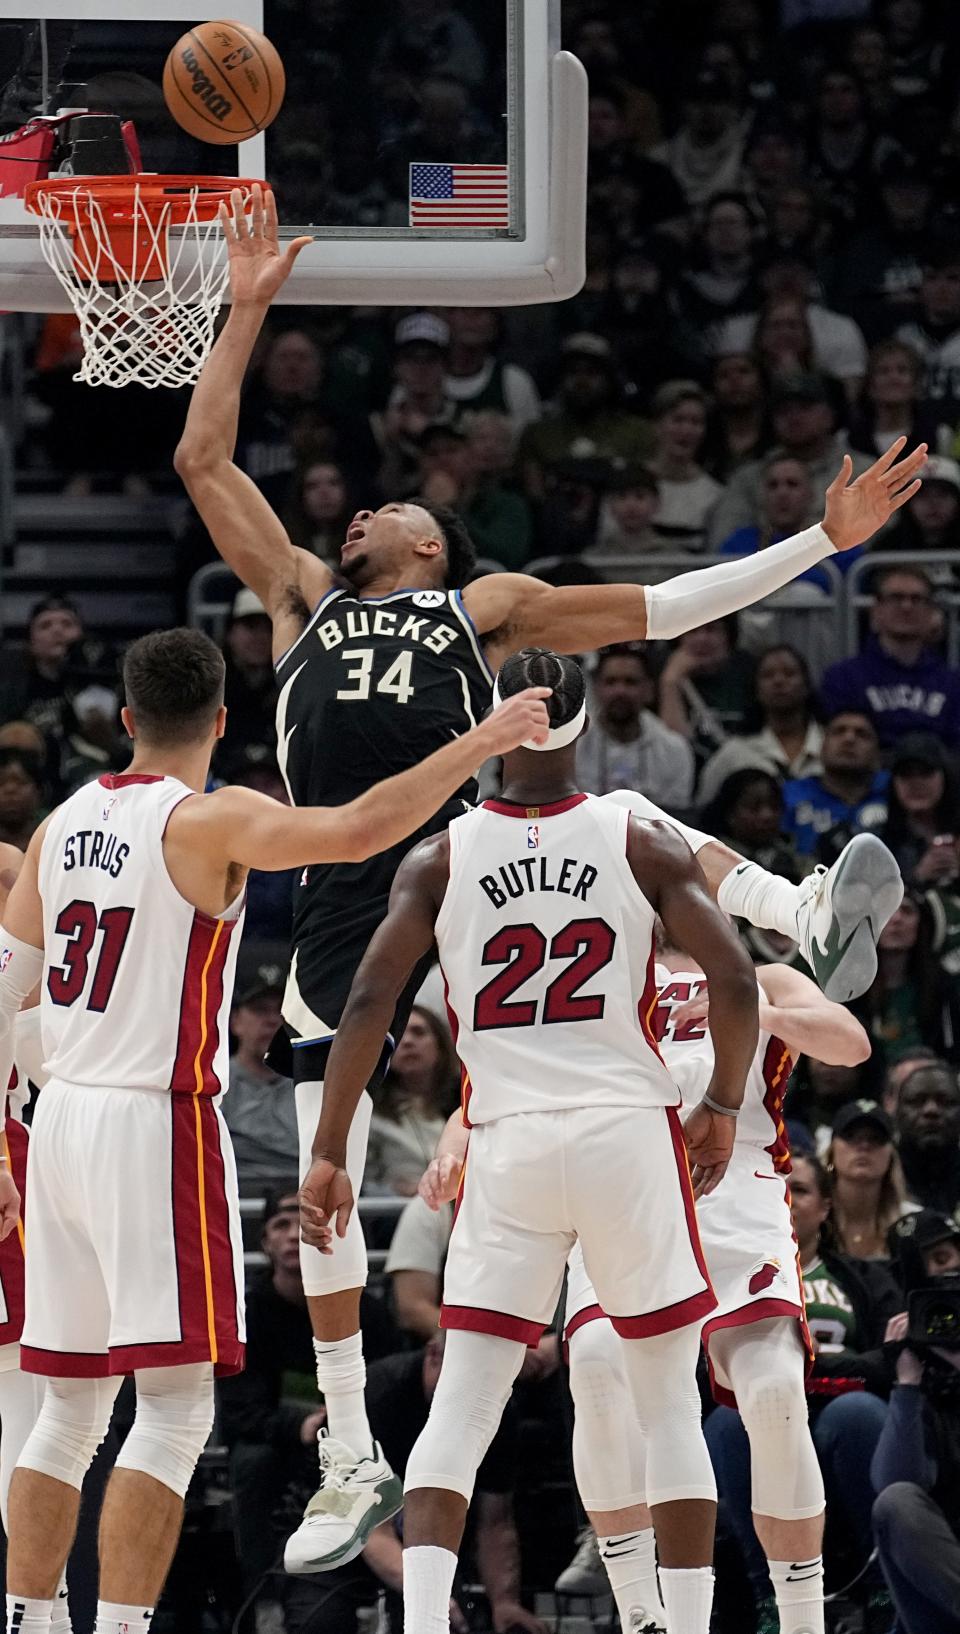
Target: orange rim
178, 196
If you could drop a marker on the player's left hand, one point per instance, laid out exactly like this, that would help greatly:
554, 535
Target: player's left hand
9, 1203
507, 1614
709, 1137
856, 509
326, 1202
440, 1181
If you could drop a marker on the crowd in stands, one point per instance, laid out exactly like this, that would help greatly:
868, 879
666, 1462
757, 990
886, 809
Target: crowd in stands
773, 281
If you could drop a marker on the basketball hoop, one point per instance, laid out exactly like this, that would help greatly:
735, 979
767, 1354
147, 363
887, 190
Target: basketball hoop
144, 263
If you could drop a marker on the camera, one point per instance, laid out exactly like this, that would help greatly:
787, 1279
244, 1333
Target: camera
933, 1313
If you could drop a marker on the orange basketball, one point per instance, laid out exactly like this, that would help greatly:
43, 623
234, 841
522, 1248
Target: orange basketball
223, 82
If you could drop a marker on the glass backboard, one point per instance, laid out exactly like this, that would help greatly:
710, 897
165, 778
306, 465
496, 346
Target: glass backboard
435, 149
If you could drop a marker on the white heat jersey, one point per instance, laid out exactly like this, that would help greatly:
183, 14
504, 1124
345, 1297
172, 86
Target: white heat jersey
546, 945
137, 983
687, 1049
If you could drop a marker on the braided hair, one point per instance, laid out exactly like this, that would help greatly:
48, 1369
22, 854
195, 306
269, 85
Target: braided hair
539, 667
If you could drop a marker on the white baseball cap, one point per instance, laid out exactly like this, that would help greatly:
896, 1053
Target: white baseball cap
940, 468
248, 605
422, 327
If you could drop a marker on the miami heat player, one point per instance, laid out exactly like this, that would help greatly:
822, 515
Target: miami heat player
543, 907
128, 910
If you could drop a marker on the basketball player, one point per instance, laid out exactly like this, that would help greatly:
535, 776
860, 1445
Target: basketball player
757, 1340
542, 905
381, 664
128, 910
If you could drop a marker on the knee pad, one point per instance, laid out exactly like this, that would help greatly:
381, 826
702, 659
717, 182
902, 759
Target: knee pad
71, 1424
767, 1376
608, 1445
475, 1380
172, 1424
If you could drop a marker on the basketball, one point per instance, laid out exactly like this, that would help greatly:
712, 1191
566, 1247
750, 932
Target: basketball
223, 82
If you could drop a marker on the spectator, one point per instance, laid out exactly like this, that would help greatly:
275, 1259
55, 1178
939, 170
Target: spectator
774, 159
285, 406
268, 1414
896, 679
868, 57
636, 318
935, 332
928, 1136
43, 689
916, 1466
419, 398
795, 225
787, 737
842, 148
596, 41
250, 687
794, 333
720, 279
687, 494
747, 814
805, 425
738, 430
900, 1065
867, 1189
786, 500
932, 519
626, 521
918, 57
627, 745
848, 1304
433, 37
477, 378
452, 474
706, 154
414, 1265
21, 796
319, 510
889, 407
879, 271
911, 1000
587, 421
259, 1109
412, 1105
923, 814
850, 794
706, 687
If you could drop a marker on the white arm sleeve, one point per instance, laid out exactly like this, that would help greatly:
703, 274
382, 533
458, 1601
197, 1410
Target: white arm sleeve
21, 967
707, 593
28, 1047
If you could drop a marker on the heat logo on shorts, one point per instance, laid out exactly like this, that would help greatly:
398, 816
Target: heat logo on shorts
766, 1272
533, 836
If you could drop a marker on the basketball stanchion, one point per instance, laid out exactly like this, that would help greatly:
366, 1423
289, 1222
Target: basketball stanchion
144, 264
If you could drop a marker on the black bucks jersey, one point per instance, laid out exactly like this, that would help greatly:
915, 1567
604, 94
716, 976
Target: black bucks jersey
370, 689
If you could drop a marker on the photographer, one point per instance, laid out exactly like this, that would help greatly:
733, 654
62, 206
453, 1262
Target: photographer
916, 1466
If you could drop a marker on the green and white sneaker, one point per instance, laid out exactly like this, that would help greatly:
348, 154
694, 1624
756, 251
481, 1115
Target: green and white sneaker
842, 911
355, 1495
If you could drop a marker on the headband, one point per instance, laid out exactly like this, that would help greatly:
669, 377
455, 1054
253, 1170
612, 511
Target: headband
558, 737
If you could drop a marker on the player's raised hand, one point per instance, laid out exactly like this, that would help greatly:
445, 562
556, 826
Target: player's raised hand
709, 1137
326, 1203
521, 718
9, 1203
856, 509
440, 1181
259, 266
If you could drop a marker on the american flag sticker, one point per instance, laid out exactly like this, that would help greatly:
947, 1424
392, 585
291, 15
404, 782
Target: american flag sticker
459, 195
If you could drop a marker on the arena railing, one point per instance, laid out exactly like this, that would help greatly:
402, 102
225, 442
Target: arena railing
369, 1207
940, 566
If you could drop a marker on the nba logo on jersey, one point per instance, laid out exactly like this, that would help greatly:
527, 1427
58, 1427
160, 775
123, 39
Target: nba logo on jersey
108, 807
533, 836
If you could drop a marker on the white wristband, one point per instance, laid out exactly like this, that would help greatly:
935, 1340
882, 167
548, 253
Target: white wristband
725, 1111
707, 593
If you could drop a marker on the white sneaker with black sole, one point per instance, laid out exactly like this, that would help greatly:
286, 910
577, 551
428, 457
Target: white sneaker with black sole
842, 911
355, 1495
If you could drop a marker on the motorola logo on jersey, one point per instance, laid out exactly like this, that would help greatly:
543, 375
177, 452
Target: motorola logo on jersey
429, 598
766, 1273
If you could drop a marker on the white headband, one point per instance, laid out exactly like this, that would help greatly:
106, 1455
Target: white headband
558, 737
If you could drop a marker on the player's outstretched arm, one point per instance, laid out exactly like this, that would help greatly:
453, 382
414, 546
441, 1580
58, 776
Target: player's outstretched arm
512, 610
403, 938
808, 1023
245, 530
257, 832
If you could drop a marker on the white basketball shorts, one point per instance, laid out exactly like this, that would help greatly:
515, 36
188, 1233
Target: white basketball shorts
133, 1254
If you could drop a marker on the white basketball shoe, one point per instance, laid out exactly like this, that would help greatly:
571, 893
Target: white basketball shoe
354, 1496
842, 911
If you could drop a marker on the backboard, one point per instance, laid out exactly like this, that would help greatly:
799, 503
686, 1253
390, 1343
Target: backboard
394, 110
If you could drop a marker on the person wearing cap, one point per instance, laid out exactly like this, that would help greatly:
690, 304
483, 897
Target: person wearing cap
259, 1110
897, 679
935, 333
922, 828
936, 524
418, 398
585, 420
928, 1135
804, 418
867, 1187
250, 687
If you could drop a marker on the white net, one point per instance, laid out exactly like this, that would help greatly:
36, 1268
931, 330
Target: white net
146, 282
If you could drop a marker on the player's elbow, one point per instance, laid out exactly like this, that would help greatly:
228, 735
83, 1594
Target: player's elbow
195, 456
853, 1044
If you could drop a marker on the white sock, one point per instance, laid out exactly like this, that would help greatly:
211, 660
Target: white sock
427, 1586
28, 1616
798, 1586
630, 1562
114, 1619
341, 1376
688, 1598
60, 1621
765, 900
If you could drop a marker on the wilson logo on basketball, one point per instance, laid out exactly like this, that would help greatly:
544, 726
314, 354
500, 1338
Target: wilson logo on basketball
204, 89
762, 1278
